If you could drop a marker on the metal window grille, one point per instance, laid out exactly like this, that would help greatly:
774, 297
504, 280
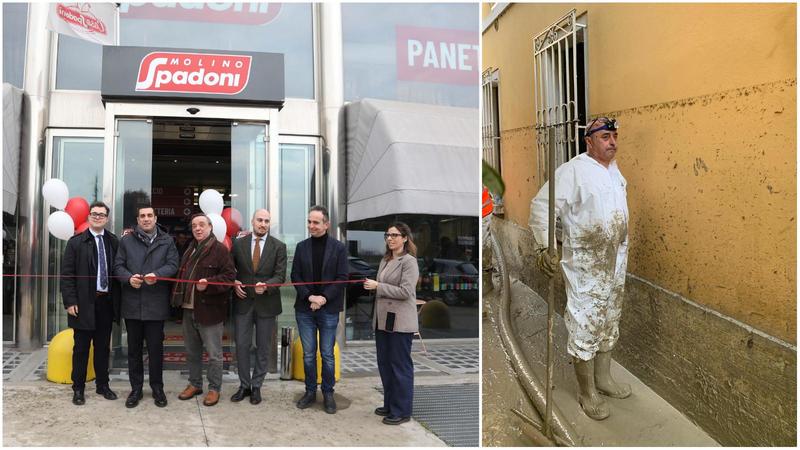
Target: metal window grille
490, 128
559, 90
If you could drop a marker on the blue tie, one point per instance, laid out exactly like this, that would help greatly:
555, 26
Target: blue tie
102, 263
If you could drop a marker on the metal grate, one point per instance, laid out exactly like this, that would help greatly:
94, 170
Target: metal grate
461, 359
364, 361
11, 360
559, 87
450, 411
490, 125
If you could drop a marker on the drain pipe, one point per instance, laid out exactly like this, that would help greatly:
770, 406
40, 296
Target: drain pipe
532, 386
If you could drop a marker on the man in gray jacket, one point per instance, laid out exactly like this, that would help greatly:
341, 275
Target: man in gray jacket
259, 259
143, 255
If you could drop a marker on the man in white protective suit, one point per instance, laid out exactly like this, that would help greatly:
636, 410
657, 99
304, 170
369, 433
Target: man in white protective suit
592, 207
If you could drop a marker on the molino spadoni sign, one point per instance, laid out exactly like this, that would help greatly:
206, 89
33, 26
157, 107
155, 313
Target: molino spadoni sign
198, 75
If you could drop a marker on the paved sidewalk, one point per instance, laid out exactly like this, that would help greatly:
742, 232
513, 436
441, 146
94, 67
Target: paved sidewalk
40, 413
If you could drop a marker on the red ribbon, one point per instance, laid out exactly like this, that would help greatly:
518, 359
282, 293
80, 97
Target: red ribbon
180, 280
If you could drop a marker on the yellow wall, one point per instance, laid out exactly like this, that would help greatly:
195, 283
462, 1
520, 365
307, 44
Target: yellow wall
705, 95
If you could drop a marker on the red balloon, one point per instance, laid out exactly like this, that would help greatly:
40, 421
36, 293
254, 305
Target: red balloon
232, 218
78, 209
82, 227
228, 242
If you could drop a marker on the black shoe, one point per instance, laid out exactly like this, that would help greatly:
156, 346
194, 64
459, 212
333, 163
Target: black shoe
382, 411
107, 393
330, 403
77, 397
307, 400
389, 420
133, 398
255, 396
240, 394
160, 398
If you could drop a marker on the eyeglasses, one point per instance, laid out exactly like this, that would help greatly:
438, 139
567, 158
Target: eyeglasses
98, 215
392, 235
608, 124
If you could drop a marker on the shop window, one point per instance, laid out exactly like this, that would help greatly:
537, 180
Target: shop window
490, 123
560, 90
78, 161
412, 52
297, 194
15, 27
447, 254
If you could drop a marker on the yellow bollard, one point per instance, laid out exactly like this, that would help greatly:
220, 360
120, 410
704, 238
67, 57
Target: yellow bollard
59, 358
298, 371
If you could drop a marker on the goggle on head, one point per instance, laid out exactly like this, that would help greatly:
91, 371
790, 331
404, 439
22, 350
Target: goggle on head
607, 124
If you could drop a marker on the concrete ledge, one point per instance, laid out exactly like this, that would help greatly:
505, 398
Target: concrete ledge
737, 383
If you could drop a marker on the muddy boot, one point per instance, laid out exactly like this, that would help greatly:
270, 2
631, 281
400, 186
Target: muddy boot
602, 378
592, 404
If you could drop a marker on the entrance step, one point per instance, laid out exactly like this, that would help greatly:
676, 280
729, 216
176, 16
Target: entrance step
643, 419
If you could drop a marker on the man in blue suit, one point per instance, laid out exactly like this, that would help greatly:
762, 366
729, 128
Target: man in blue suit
317, 259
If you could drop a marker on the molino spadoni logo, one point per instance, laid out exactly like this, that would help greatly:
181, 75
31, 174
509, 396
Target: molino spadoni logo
204, 73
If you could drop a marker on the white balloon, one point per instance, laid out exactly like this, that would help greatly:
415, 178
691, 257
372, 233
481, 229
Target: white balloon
61, 225
211, 202
56, 193
219, 226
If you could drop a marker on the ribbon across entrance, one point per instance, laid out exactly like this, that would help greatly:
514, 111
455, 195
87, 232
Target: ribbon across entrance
181, 280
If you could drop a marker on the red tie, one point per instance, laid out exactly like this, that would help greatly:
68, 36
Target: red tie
256, 254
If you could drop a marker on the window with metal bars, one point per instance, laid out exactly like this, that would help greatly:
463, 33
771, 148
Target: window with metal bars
560, 90
490, 123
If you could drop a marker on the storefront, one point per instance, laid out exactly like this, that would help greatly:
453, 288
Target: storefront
245, 99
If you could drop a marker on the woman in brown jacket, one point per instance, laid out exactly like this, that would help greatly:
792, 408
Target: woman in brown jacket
395, 322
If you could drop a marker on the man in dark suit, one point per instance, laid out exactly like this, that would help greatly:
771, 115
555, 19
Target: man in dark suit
144, 255
317, 306
91, 298
260, 259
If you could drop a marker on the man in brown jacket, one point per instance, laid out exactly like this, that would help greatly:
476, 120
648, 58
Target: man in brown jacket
204, 307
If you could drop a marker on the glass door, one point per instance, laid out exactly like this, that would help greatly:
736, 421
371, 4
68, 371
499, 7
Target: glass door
133, 172
78, 161
248, 169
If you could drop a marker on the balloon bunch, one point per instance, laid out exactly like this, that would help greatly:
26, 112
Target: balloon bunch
72, 215
226, 222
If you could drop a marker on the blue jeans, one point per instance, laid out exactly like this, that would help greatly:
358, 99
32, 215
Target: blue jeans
308, 323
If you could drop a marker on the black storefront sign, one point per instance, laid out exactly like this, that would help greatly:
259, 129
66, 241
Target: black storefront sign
197, 76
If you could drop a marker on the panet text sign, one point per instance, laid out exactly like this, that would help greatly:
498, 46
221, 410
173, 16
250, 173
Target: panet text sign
437, 55
207, 73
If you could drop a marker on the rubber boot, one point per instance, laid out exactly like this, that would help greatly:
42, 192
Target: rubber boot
602, 378
592, 404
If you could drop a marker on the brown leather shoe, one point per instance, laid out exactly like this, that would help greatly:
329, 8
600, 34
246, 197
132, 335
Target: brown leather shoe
211, 398
190, 392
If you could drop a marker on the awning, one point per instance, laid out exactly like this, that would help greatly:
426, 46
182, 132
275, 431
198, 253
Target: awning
12, 121
410, 158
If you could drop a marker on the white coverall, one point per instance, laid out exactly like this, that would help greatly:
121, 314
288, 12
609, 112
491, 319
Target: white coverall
591, 203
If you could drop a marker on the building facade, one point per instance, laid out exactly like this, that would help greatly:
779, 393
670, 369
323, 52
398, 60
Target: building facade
705, 97
281, 149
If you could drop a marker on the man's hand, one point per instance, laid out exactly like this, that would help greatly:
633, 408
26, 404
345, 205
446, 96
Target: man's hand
239, 291
73, 310
317, 300
202, 284
547, 264
150, 279
136, 281
260, 288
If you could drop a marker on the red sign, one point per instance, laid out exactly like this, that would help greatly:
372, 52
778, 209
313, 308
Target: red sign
217, 12
85, 20
205, 73
435, 55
